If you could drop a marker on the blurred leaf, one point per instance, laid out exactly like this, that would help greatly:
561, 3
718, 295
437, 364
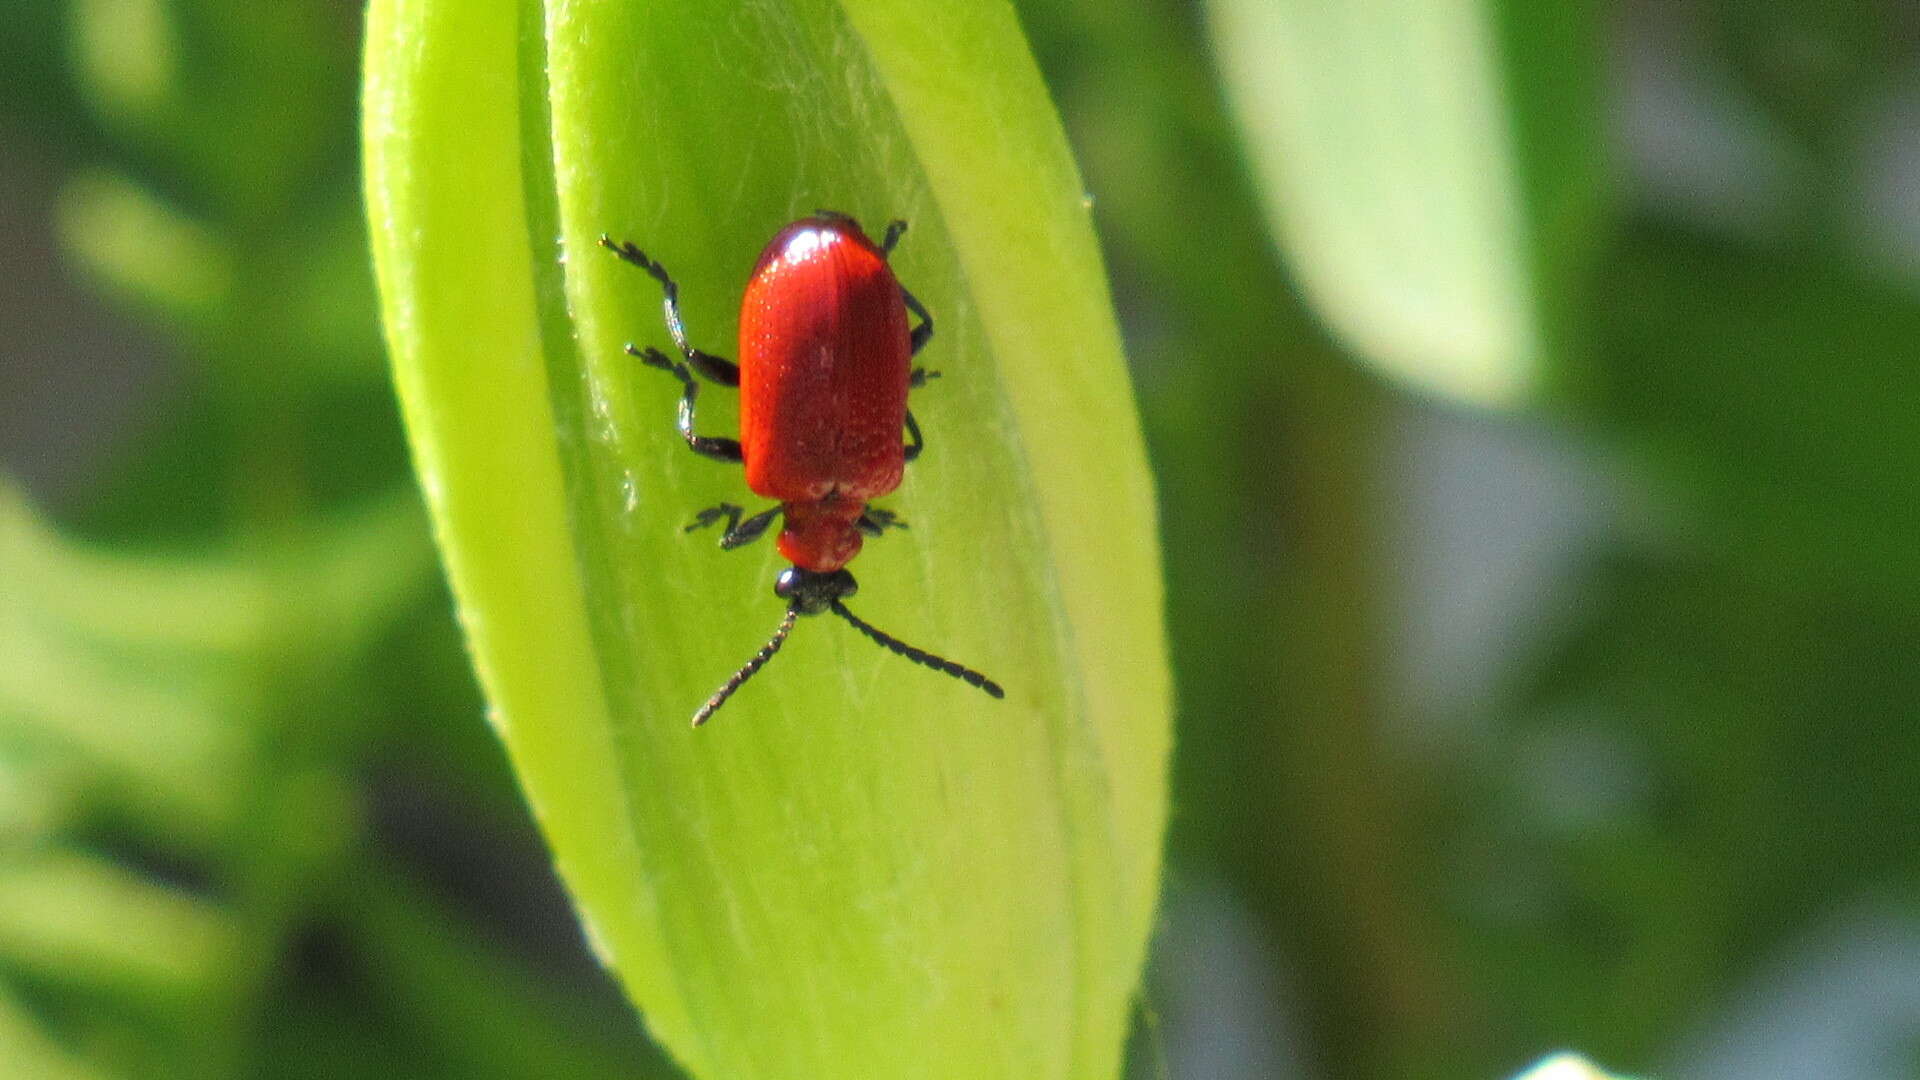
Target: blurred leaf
848, 874
475, 1007
1814, 63
184, 709
145, 250
132, 50
145, 668
73, 918
1776, 400
28, 1051
40, 97
38, 796
1272, 445
333, 310
229, 101
1432, 170
120, 661
1713, 758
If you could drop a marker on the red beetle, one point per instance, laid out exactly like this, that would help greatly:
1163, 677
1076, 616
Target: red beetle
825, 365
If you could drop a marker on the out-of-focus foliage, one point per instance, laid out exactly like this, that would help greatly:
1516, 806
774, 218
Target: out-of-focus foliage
1432, 171
1701, 756
233, 717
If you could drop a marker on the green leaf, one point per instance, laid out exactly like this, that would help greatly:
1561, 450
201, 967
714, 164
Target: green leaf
1674, 761
26, 1049
74, 918
861, 866
1433, 172
144, 249
475, 1008
1783, 415
142, 669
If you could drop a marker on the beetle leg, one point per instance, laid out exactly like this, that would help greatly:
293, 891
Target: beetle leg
749, 530
718, 449
875, 521
922, 333
918, 443
920, 377
714, 513
738, 533
712, 368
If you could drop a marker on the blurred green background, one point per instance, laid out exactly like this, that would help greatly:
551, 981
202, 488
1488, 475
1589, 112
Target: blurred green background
1582, 715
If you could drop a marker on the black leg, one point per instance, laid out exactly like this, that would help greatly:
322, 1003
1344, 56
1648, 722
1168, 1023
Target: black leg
718, 449
875, 521
712, 368
922, 333
738, 533
916, 443
920, 377
714, 513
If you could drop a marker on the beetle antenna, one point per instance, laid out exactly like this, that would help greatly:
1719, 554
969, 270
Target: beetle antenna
918, 656
746, 671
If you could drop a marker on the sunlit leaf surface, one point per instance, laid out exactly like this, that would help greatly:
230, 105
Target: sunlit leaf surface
861, 866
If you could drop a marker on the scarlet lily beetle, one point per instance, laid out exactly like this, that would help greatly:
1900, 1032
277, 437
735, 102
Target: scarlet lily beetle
825, 365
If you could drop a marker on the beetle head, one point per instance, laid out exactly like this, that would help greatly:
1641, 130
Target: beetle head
810, 592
